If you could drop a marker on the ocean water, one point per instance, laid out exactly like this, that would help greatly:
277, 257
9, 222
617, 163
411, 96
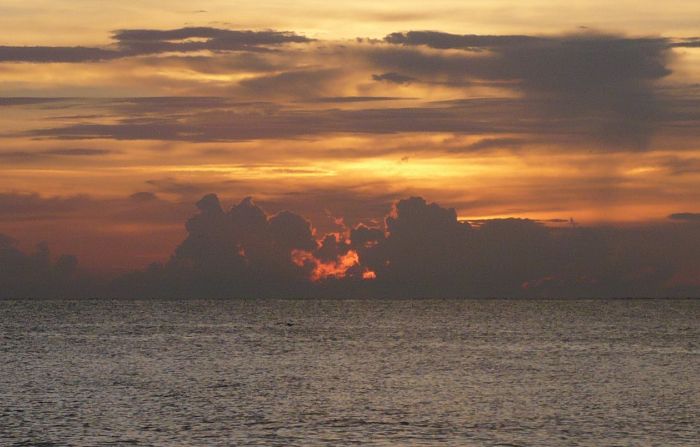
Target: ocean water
338, 372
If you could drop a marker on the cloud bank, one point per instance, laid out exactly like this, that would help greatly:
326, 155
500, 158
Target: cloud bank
421, 250
598, 89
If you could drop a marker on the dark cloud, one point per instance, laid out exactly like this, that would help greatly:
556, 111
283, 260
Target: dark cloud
440, 40
37, 275
421, 250
687, 217
135, 42
55, 54
260, 121
142, 207
687, 43
144, 41
173, 186
77, 152
492, 143
18, 101
394, 78
603, 82
143, 196
680, 166
33, 155
219, 119
594, 89
242, 252
298, 83
352, 99
15, 206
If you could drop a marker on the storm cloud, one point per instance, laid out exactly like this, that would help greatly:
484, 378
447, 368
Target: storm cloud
420, 250
423, 250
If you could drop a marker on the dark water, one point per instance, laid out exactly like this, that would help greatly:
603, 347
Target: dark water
268, 373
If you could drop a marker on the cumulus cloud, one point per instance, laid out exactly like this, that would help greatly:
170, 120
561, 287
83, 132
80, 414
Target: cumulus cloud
232, 253
421, 250
36, 274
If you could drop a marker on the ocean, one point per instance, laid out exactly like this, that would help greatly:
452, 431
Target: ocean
350, 372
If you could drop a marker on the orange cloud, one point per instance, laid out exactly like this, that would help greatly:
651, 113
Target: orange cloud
323, 270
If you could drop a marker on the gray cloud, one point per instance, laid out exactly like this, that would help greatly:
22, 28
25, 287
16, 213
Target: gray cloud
134, 42
492, 143
37, 275
686, 217
205, 119
394, 78
420, 250
693, 42
604, 82
144, 207
145, 41
298, 83
440, 40
588, 89
39, 54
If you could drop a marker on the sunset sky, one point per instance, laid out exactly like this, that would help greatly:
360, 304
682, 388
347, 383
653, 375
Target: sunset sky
117, 117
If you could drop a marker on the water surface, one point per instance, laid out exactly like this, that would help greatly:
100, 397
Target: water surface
338, 372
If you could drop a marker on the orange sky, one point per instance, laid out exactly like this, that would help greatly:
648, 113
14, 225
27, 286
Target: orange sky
548, 113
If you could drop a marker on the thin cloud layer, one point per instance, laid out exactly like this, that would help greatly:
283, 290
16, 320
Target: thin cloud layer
137, 42
600, 90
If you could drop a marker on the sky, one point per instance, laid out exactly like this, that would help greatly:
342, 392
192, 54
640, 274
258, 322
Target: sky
116, 118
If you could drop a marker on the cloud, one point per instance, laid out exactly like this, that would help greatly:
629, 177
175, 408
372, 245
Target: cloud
687, 43
299, 83
36, 275
204, 119
686, 217
603, 83
232, 253
15, 206
352, 99
420, 250
43, 54
394, 78
492, 143
595, 89
145, 41
52, 154
142, 207
26, 101
270, 121
136, 42
440, 40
